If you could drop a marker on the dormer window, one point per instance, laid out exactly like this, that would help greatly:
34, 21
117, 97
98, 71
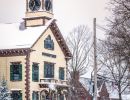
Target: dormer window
48, 43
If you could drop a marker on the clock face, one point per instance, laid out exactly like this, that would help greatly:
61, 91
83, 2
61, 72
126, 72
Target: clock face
34, 5
48, 5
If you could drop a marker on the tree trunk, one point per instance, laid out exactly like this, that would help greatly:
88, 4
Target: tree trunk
119, 87
120, 97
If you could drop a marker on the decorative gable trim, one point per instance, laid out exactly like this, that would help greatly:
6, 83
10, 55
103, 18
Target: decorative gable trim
55, 30
14, 52
58, 36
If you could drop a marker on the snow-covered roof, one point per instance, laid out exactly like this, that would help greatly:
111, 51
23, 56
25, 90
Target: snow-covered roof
13, 36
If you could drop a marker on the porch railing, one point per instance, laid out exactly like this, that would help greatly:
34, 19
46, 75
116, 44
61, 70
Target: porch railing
52, 80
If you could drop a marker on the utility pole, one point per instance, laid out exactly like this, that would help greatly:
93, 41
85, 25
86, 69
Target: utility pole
95, 59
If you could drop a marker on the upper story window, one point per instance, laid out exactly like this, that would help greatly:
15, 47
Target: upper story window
16, 72
48, 70
35, 72
48, 43
61, 73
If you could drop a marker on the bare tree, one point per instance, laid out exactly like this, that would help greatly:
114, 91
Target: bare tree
116, 67
118, 39
121, 10
119, 32
79, 44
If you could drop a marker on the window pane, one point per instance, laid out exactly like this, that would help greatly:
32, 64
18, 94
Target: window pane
16, 72
61, 73
35, 96
48, 43
16, 95
48, 70
35, 72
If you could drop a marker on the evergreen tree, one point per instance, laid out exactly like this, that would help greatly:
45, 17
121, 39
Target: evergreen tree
4, 92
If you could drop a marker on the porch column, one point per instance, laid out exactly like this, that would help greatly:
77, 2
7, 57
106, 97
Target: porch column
27, 76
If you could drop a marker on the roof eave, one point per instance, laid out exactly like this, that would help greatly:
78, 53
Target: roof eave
15, 52
60, 40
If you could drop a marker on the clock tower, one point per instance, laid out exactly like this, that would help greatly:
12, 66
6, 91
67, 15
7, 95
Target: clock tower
38, 12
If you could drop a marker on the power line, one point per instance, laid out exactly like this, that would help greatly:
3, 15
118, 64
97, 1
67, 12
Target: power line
101, 28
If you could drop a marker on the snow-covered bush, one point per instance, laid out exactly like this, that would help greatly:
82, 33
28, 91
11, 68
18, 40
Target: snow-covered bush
4, 92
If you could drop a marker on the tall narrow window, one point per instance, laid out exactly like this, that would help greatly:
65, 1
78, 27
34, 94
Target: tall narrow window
48, 43
61, 73
48, 70
48, 5
35, 95
35, 72
16, 95
15, 72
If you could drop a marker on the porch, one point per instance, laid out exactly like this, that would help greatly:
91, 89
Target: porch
53, 89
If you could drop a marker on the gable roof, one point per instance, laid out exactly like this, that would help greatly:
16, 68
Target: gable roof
12, 37
55, 30
16, 36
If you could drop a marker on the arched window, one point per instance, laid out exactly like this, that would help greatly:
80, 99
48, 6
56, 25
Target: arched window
48, 5
48, 43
